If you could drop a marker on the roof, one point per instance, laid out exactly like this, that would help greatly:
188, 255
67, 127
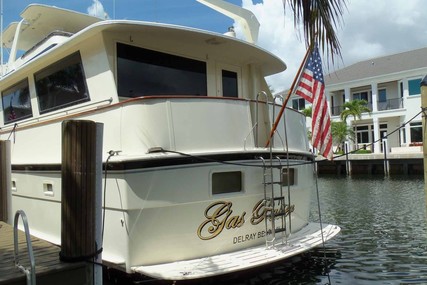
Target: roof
389, 64
41, 20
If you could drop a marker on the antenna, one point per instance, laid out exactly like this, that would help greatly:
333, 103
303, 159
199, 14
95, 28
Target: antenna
1, 38
243, 16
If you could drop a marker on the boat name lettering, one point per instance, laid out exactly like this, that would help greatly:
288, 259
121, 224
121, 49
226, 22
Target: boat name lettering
248, 237
219, 217
259, 211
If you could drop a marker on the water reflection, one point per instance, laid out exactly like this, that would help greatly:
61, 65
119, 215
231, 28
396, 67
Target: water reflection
383, 221
383, 238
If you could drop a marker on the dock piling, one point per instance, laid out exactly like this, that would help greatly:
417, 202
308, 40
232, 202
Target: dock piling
5, 180
81, 218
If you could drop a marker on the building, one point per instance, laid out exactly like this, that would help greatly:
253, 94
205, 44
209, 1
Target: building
391, 86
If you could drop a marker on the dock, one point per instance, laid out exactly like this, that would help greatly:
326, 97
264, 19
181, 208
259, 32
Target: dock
394, 164
49, 269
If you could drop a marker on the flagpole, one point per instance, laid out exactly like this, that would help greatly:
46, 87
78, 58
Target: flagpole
285, 102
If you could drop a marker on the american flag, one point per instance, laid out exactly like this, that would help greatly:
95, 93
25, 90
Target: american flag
312, 88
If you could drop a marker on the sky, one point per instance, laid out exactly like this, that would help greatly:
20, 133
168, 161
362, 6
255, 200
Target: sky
369, 28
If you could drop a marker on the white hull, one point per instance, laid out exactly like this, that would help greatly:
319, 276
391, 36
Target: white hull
308, 237
187, 184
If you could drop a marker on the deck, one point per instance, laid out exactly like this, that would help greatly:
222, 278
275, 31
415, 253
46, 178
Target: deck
49, 269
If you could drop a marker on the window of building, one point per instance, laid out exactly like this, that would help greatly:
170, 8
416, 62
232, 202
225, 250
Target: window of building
362, 133
414, 86
16, 102
229, 84
361, 96
416, 131
61, 84
382, 95
143, 72
298, 104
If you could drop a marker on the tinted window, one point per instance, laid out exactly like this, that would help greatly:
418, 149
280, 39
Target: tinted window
229, 84
16, 102
414, 87
143, 72
62, 84
226, 182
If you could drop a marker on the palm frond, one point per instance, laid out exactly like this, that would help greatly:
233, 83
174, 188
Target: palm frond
319, 18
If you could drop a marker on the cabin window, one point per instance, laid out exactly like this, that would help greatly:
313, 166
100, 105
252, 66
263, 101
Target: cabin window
229, 84
143, 72
16, 102
288, 176
226, 182
61, 84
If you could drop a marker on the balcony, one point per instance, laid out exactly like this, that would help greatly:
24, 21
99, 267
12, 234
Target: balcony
390, 104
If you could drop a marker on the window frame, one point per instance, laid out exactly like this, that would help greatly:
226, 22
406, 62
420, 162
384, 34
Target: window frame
414, 83
162, 63
15, 87
220, 67
412, 127
225, 175
54, 69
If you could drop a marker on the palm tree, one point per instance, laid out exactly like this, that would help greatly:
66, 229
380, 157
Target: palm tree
340, 132
307, 111
319, 19
355, 109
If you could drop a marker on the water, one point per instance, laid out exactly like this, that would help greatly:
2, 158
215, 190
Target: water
383, 238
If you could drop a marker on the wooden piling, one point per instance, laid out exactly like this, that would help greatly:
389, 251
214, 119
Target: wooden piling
424, 108
81, 190
5, 180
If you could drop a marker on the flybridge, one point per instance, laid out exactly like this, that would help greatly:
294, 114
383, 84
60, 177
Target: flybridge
244, 17
41, 26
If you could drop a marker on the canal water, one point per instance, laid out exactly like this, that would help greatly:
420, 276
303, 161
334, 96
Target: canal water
383, 238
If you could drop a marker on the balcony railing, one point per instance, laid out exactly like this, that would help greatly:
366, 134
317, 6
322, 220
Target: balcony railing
390, 104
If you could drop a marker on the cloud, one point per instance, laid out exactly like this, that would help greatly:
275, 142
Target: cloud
277, 35
97, 10
370, 29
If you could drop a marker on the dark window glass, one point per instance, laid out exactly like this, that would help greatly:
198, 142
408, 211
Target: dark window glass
298, 104
359, 128
62, 84
361, 96
363, 137
229, 84
226, 182
382, 95
16, 102
416, 132
414, 87
143, 72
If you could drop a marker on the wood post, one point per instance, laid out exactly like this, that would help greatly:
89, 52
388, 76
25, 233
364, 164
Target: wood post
424, 108
81, 190
5, 180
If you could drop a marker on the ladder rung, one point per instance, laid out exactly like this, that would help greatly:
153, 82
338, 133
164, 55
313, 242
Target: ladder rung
279, 230
279, 214
275, 182
279, 198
